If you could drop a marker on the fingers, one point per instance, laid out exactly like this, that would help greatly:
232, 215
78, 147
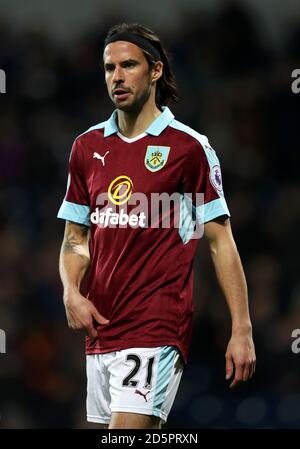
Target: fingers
229, 366
240, 359
99, 318
243, 372
249, 370
92, 331
88, 327
238, 376
92, 326
246, 372
83, 324
83, 316
252, 370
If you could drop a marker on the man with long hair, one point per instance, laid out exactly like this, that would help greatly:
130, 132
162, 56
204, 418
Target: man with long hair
137, 306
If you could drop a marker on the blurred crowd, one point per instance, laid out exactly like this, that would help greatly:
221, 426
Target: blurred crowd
235, 89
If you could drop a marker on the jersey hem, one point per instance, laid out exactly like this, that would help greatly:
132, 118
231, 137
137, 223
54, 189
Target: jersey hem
137, 344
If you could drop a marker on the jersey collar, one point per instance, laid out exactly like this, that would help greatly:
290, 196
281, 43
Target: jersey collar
155, 129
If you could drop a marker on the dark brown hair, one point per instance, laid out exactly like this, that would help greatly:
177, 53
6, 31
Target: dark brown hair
166, 90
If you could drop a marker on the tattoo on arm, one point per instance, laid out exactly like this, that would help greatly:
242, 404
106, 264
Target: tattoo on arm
76, 239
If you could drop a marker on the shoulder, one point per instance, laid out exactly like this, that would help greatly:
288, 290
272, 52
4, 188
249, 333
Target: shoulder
90, 132
83, 140
197, 144
189, 132
87, 138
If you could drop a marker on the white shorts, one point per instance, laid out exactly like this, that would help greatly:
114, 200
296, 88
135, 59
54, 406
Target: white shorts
134, 380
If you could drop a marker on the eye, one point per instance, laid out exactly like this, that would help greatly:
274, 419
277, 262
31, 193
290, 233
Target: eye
109, 68
129, 64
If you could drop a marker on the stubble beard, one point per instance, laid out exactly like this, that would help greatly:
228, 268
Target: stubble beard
137, 104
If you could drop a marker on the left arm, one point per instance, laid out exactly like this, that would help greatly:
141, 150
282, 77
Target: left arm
240, 354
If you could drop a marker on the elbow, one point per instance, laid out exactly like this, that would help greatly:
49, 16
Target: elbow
213, 249
223, 246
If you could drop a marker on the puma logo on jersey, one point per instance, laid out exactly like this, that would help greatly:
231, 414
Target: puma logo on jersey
97, 156
142, 394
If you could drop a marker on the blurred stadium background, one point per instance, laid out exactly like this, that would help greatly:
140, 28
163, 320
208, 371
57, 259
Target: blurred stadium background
233, 61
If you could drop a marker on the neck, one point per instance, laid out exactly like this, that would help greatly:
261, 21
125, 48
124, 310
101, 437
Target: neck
131, 124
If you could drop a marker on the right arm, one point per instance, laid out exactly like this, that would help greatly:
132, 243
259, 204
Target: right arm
73, 263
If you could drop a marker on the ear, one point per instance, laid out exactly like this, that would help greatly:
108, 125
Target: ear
157, 71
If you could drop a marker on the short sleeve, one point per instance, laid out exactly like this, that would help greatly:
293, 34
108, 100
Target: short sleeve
203, 182
202, 197
75, 206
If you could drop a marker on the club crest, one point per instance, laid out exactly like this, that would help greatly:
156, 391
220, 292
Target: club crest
156, 157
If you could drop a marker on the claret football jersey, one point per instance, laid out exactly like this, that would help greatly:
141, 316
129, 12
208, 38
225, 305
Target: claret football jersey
141, 269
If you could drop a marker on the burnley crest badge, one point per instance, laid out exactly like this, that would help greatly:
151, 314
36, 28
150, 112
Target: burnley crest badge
156, 157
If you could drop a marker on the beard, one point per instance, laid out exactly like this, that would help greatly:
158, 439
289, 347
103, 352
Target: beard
135, 104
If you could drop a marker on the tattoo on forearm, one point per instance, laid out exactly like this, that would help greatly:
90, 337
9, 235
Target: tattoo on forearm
76, 242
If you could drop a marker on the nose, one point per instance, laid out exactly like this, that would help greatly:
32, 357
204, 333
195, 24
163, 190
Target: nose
118, 75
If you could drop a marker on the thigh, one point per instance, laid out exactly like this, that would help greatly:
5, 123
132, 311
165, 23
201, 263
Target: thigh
92, 425
124, 420
144, 381
98, 396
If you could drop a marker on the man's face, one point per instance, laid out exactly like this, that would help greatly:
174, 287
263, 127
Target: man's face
127, 75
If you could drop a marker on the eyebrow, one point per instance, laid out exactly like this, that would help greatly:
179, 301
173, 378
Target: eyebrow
126, 61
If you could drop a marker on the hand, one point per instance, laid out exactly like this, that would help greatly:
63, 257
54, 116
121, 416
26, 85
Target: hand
240, 358
81, 314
